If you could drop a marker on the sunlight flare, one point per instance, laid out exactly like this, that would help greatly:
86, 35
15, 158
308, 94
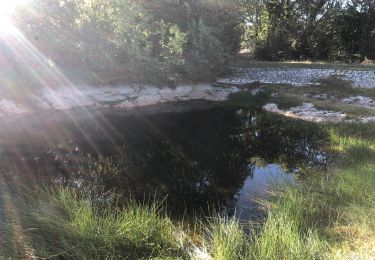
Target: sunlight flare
5, 22
9, 6
7, 9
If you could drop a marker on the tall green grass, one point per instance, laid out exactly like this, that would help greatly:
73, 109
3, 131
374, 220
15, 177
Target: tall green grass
225, 238
356, 149
290, 231
66, 224
329, 216
316, 219
136, 230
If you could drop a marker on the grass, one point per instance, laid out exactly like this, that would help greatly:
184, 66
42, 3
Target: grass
248, 100
226, 238
65, 224
355, 142
288, 232
137, 230
328, 216
325, 218
290, 96
320, 219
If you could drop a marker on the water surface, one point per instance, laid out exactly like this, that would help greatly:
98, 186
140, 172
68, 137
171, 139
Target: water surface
213, 156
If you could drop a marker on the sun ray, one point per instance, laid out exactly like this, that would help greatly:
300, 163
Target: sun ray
37, 64
49, 77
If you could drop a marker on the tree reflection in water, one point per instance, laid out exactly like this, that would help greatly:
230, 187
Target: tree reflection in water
198, 159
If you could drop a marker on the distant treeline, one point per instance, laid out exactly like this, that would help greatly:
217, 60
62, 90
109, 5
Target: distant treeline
311, 29
166, 41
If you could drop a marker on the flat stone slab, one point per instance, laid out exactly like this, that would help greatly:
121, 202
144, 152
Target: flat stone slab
126, 96
136, 95
306, 112
299, 76
360, 101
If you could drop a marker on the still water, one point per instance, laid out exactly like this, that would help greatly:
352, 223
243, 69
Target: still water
212, 156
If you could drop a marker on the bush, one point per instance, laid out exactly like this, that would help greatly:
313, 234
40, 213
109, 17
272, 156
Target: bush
145, 41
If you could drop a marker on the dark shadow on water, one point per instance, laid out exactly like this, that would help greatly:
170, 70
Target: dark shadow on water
216, 157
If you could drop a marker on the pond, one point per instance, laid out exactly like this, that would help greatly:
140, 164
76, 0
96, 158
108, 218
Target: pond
198, 156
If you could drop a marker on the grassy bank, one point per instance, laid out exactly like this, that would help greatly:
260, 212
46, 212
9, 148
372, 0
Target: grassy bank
328, 96
61, 224
329, 215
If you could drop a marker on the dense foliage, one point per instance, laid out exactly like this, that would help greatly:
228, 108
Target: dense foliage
318, 29
161, 41
169, 41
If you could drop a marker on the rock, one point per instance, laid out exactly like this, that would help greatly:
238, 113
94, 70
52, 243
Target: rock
299, 76
367, 119
360, 101
306, 112
9, 107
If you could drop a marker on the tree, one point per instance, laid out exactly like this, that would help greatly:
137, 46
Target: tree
140, 41
316, 29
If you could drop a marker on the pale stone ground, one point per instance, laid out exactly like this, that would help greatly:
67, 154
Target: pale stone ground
126, 96
309, 77
307, 112
360, 101
299, 76
132, 96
